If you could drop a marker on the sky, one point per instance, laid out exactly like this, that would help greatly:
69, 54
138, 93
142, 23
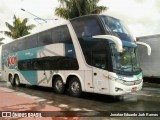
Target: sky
141, 16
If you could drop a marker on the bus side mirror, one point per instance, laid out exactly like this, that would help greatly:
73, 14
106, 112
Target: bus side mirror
116, 40
148, 47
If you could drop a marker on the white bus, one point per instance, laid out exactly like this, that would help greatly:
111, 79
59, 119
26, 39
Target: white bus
93, 53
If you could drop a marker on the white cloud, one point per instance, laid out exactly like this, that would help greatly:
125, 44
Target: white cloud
41, 8
141, 16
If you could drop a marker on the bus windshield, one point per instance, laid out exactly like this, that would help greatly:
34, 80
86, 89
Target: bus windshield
117, 28
125, 62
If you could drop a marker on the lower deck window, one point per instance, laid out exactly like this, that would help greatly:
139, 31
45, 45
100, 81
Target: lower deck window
49, 63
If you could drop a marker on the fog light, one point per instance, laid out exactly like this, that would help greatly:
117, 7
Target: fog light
118, 89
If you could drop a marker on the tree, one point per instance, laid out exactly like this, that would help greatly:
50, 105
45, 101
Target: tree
74, 8
19, 28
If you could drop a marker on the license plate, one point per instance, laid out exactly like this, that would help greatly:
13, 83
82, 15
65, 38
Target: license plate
134, 89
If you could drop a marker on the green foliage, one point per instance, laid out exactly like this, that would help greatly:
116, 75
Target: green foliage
74, 8
19, 28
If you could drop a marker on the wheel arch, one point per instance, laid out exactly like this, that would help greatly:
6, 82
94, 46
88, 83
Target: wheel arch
55, 76
70, 76
16, 74
10, 75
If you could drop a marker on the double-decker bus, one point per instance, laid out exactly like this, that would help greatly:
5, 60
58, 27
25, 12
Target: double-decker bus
93, 53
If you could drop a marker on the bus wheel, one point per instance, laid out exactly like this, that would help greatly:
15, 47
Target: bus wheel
17, 81
12, 81
58, 85
75, 87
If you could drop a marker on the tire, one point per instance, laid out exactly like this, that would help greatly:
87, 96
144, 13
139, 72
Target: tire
17, 81
58, 85
12, 81
75, 88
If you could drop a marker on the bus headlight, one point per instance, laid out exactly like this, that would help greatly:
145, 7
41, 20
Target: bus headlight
119, 79
140, 77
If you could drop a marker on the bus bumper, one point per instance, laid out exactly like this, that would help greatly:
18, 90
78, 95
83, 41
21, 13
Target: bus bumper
121, 89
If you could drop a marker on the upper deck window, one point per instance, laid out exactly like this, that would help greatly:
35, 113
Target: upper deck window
87, 26
117, 28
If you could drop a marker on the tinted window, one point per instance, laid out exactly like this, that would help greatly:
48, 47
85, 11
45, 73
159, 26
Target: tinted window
45, 38
6, 49
96, 52
13, 47
61, 35
117, 28
21, 45
99, 60
56, 35
33, 41
27, 43
49, 63
87, 26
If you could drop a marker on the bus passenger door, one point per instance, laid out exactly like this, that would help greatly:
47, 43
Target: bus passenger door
100, 80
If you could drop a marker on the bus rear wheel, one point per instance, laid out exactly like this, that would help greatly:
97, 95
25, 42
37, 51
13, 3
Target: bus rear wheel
58, 85
75, 89
11, 80
17, 81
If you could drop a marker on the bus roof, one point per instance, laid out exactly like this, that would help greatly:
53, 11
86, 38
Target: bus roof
94, 15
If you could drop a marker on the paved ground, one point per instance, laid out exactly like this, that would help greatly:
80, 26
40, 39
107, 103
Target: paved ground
31, 98
11, 102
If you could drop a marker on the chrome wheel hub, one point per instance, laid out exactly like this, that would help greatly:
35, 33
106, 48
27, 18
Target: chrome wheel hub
59, 85
75, 87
